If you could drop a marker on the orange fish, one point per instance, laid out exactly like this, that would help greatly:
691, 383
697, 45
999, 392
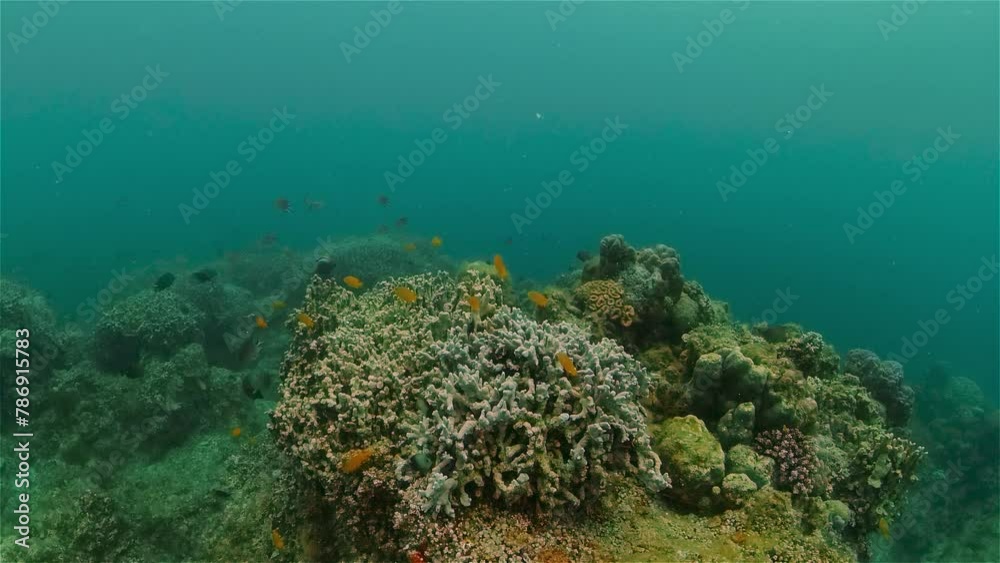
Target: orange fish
436, 242
416, 557
235, 432
283, 205
277, 540
306, 320
351, 281
538, 299
567, 364
405, 294
355, 459
410, 246
261, 323
474, 303
500, 266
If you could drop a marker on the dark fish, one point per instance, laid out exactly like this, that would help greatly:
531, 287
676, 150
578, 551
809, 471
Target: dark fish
205, 275
164, 281
324, 267
583, 256
402, 222
221, 493
383, 200
250, 390
283, 205
268, 239
249, 350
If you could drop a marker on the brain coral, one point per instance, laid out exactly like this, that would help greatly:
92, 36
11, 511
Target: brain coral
605, 299
460, 405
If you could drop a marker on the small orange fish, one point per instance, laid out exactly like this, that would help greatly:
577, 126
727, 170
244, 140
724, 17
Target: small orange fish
416, 557
436, 242
883, 527
278, 305
405, 294
235, 432
538, 299
261, 322
567, 364
277, 540
355, 459
351, 281
474, 303
410, 246
500, 266
306, 320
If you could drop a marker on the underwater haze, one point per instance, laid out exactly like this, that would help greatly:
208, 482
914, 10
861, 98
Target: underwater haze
828, 164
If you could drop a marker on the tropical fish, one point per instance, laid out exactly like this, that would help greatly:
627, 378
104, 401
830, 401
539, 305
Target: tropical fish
436, 242
249, 389
567, 364
277, 540
500, 266
306, 320
416, 557
355, 459
402, 222
474, 303
283, 205
351, 281
260, 321
278, 305
405, 294
205, 275
249, 350
410, 246
163, 282
314, 204
383, 200
235, 432
883, 527
538, 299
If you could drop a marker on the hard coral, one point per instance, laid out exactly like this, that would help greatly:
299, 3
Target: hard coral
605, 300
470, 406
795, 459
884, 379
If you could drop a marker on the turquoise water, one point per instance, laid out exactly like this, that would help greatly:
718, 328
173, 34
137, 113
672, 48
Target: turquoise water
657, 183
867, 210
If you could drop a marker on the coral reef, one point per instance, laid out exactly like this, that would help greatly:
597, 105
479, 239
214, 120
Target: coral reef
796, 464
466, 406
884, 379
691, 455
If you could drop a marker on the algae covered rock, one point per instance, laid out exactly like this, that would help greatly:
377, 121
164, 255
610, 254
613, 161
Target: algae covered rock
743, 459
691, 455
737, 488
736, 426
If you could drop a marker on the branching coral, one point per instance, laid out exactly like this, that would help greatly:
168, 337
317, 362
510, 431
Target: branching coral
469, 405
796, 464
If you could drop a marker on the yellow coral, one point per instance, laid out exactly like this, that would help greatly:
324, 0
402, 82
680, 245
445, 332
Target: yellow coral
354, 459
606, 299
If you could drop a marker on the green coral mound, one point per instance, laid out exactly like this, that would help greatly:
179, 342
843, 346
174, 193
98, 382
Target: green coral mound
691, 454
458, 405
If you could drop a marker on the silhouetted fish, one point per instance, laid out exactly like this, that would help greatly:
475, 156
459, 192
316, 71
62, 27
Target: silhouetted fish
164, 281
205, 275
324, 267
250, 390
